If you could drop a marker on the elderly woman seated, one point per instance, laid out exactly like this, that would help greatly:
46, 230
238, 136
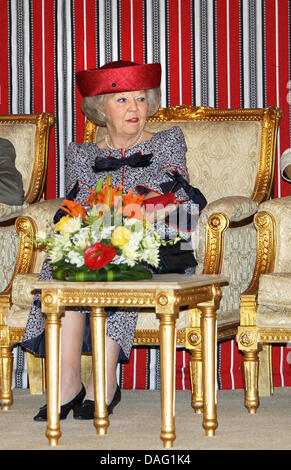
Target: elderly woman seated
120, 95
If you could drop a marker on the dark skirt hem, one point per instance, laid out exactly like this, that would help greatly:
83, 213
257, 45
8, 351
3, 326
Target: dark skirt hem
36, 345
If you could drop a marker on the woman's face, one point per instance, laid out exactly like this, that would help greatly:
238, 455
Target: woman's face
125, 112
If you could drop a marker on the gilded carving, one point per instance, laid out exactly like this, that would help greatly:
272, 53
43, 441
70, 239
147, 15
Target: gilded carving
152, 337
163, 300
266, 249
248, 308
247, 338
26, 253
274, 336
193, 337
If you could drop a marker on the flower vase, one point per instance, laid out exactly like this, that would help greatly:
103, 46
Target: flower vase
108, 273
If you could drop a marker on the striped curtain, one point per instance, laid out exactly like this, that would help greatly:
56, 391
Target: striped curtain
221, 53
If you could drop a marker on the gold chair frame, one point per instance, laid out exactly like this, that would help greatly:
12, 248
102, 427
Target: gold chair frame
217, 224
251, 338
26, 253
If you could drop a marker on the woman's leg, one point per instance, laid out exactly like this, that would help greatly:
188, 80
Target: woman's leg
113, 350
72, 332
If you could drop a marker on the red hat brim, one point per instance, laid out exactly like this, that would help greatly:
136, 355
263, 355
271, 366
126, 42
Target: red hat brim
117, 77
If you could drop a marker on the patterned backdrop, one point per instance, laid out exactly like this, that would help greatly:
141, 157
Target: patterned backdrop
221, 53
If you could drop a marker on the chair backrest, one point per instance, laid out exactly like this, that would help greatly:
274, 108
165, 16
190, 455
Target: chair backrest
29, 133
230, 151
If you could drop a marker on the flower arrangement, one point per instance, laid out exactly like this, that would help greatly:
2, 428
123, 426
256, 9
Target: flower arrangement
107, 239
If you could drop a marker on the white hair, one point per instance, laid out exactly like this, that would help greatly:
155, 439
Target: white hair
92, 105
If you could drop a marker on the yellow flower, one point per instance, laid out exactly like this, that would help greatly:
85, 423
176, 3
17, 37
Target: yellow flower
60, 226
120, 237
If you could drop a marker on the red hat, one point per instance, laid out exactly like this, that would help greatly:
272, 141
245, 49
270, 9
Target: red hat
118, 76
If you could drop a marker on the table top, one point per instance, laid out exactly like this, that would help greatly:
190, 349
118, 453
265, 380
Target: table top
158, 281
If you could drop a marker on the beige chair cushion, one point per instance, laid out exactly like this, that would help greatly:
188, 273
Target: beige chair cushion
274, 300
17, 317
8, 212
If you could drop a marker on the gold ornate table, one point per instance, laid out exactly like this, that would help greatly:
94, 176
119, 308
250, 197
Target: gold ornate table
166, 294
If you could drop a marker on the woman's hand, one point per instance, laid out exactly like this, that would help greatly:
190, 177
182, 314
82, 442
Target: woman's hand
162, 213
158, 213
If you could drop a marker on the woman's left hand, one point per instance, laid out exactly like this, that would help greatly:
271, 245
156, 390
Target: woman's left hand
159, 213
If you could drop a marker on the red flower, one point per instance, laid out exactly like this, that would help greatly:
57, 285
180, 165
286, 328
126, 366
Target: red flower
98, 255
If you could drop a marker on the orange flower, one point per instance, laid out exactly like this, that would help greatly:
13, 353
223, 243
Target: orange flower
108, 195
73, 208
91, 201
132, 205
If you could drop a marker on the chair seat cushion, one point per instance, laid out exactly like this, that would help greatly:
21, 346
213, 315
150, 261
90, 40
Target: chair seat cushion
10, 212
17, 317
274, 300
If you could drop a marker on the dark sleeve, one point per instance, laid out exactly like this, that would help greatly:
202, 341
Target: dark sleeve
11, 185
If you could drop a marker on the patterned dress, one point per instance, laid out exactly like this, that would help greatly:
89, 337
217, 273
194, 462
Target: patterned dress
168, 149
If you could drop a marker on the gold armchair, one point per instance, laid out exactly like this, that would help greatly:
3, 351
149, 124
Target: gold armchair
231, 160
265, 312
30, 136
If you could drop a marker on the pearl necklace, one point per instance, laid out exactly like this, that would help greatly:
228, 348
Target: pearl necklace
127, 148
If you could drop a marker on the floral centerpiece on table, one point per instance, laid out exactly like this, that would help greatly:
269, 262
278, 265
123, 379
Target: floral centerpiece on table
107, 239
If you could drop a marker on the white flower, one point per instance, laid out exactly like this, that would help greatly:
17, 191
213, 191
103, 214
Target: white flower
56, 255
73, 225
41, 235
129, 252
80, 239
151, 257
74, 257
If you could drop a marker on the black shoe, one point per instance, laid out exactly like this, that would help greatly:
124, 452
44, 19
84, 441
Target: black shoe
86, 410
65, 409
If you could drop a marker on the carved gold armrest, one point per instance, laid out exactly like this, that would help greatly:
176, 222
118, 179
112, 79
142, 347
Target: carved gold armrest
36, 216
218, 216
26, 251
266, 251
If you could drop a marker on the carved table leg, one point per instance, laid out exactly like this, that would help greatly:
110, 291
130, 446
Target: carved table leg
98, 333
52, 340
208, 328
196, 380
168, 385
